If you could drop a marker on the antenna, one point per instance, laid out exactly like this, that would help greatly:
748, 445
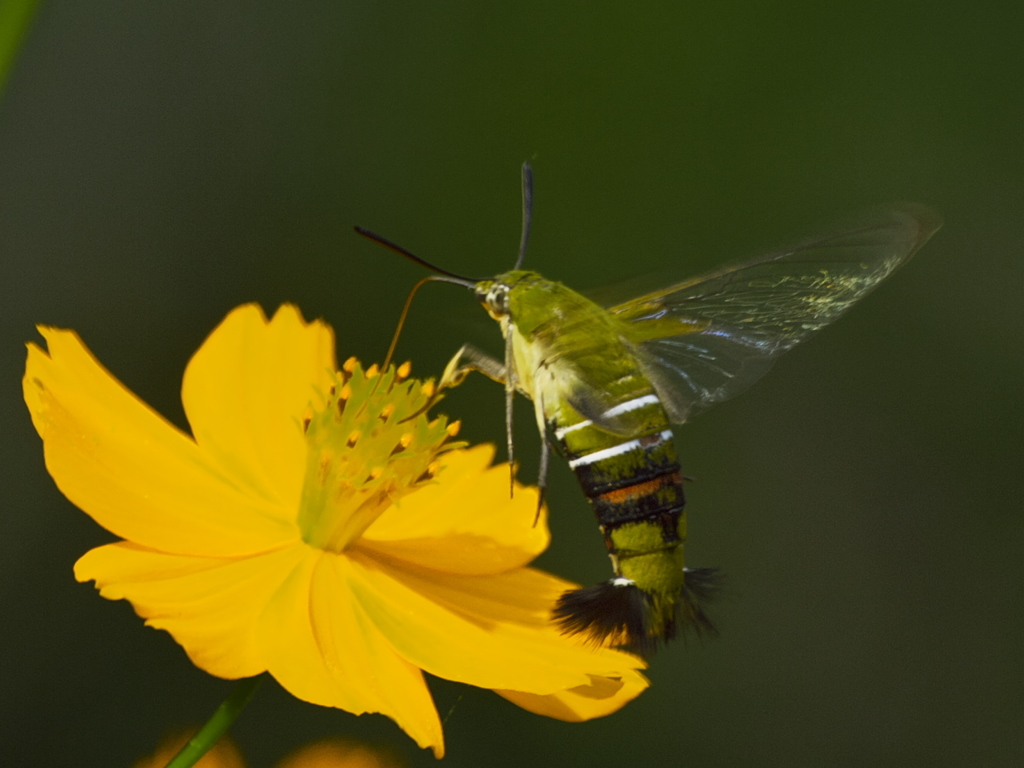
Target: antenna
524, 238
467, 282
442, 276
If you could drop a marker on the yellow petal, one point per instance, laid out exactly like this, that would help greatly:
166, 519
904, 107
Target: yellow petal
246, 391
322, 650
339, 753
360, 656
131, 470
224, 754
488, 631
602, 697
447, 525
209, 605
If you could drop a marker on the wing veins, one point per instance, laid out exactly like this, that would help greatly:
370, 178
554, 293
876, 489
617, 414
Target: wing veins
705, 340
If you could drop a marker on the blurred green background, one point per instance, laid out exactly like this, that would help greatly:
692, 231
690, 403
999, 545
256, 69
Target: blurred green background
161, 163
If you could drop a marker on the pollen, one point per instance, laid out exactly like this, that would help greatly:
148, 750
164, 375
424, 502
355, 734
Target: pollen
429, 473
367, 448
403, 442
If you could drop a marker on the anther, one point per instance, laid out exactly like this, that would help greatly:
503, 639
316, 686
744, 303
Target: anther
429, 473
343, 396
428, 389
453, 428
353, 438
386, 411
350, 365
404, 442
404, 370
372, 371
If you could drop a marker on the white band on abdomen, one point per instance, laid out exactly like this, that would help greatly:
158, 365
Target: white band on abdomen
630, 405
615, 450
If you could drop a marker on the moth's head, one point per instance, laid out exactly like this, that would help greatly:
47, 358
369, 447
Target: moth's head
493, 294
496, 294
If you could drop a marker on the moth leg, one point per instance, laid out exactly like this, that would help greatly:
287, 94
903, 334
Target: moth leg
542, 476
510, 392
467, 360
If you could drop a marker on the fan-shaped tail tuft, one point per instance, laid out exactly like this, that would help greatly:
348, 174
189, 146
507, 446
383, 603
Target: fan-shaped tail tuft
610, 613
702, 585
620, 613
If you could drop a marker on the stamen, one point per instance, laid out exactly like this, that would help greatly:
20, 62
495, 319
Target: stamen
429, 389
361, 458
372, 371
350, 365
429, 474
404, 370
404, 442
453, 428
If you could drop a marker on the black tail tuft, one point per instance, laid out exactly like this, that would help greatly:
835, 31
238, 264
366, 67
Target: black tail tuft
618, 612
611, 613
702, 585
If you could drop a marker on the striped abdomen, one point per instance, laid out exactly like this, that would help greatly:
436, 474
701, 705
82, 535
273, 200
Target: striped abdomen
632, 479
634, 483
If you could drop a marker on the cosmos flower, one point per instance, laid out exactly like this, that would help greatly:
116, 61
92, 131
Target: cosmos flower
339, 753
224, 754
328, 753
316, 524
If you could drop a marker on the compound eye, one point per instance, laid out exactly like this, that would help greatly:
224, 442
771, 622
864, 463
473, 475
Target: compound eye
498, 299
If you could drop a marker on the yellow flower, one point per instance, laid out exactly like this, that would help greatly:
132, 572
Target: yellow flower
328, 753
223, 754
339, 753
314, 527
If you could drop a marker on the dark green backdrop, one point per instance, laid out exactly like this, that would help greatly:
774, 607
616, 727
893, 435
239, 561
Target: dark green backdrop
161, 163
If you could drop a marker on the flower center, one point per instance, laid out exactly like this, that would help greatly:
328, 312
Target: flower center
369, 444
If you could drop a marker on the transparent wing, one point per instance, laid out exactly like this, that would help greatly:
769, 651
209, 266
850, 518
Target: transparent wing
706, 340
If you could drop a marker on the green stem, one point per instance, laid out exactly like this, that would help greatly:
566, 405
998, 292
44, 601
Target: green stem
15, 18
215, 727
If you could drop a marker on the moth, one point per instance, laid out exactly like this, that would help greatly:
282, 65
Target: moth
608, 382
